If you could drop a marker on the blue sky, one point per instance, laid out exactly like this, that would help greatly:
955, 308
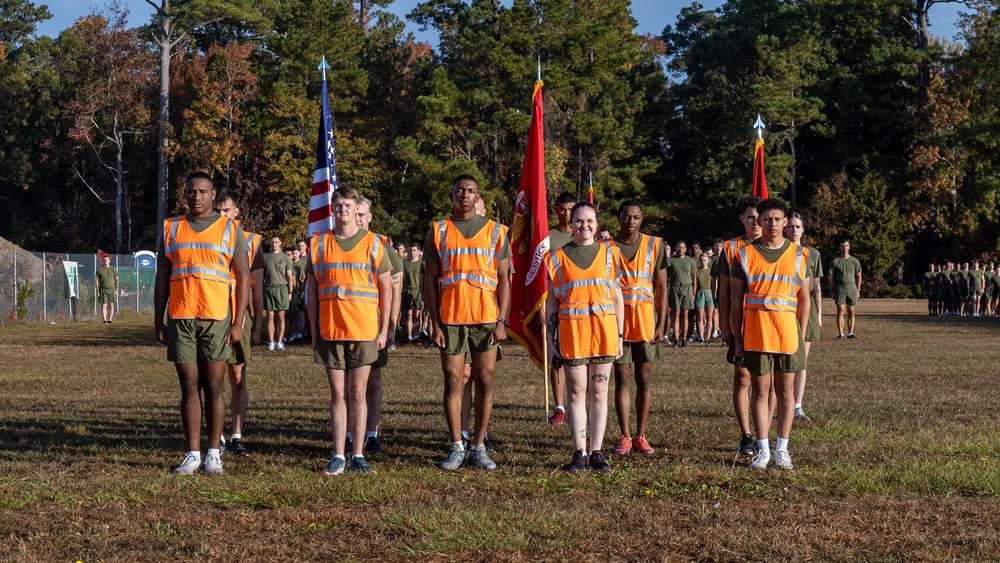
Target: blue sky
652, 15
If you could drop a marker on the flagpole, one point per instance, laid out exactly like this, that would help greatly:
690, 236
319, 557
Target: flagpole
545, 336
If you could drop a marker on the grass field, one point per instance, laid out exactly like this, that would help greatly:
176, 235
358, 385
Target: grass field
900, 461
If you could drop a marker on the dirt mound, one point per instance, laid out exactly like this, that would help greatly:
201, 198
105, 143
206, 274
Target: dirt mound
29, 266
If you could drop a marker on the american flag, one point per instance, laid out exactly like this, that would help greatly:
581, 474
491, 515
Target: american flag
325, 176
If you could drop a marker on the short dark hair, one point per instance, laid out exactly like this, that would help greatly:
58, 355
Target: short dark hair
629, 203
346, 193
199, 175
462, 177
224, 194
416, 244
680, 242
772, 203
566, 197
581, 205
750, 201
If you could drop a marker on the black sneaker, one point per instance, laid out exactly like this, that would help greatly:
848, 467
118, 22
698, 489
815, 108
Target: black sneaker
359, 465
598, 463
851, 335
747, 444
373, 446
684, 343
578, 464
236, 447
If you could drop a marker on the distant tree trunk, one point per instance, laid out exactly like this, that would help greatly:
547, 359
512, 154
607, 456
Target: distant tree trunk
119, 185
163, 41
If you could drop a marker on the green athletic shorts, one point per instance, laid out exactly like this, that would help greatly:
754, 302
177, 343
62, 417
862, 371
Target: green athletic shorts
345, 354
413, 300
845, 295
680, 297
195, 340
241, 350
295, 305
703, 299
459, 339
759, 363
638, 353
812, 329
106, 295
586, 361
276, 298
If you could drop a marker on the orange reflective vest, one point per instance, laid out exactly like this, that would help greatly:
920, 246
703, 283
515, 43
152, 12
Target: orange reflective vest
637, 278
201, 268
469, 266
253, 239
347, 286
587, 323
731, 247
769, 305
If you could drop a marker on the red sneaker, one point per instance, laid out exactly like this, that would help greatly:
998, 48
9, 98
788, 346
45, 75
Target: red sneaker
558, 417
641, 445
624, 445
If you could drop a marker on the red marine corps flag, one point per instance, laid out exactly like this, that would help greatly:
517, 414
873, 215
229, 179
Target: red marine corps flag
759, 180
529, 242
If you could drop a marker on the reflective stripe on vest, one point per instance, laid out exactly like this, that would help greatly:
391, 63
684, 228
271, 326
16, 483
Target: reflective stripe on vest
587, 323
347, 287
468, 279
637, 290
770, 303
200, 274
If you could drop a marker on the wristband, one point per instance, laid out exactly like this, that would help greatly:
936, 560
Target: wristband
503, 320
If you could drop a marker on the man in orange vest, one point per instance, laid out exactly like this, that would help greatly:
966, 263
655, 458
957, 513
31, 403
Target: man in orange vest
770, 297
349, 302
372, 444
202, 254
643, 267
467, 284
559, 235
741, 377
225, 205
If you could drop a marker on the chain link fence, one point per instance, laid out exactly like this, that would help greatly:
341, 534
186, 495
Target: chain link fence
57, 287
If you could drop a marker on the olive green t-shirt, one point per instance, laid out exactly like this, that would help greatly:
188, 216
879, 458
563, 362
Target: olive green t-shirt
814, 264
845, 270
276, 264
299, 271
348, 244
630, 249
944, 278
976, 280
107, 277
395, 262
199, 225
468, 229
257, 260
413, 271
713, 266
680, 270
772, 255
584, 256
704, 279
558, 239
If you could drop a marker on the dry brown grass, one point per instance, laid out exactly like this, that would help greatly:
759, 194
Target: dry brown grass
899, 463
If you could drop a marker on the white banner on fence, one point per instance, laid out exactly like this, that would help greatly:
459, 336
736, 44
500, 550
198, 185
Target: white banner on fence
73, 275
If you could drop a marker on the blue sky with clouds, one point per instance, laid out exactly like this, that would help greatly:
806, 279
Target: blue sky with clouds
652, 15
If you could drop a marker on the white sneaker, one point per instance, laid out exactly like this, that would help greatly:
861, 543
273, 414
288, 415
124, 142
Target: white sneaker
213, 464
281, 346
783, 459
189, 466
801, 415
270, 346
760, 460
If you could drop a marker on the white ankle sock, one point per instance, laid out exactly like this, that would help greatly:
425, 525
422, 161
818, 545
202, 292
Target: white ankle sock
371, 434
764, 446
782, 445
212, 451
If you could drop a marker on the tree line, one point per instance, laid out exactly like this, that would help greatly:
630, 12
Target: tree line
877, 131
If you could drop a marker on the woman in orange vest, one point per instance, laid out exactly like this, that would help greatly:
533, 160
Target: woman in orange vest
585, 307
